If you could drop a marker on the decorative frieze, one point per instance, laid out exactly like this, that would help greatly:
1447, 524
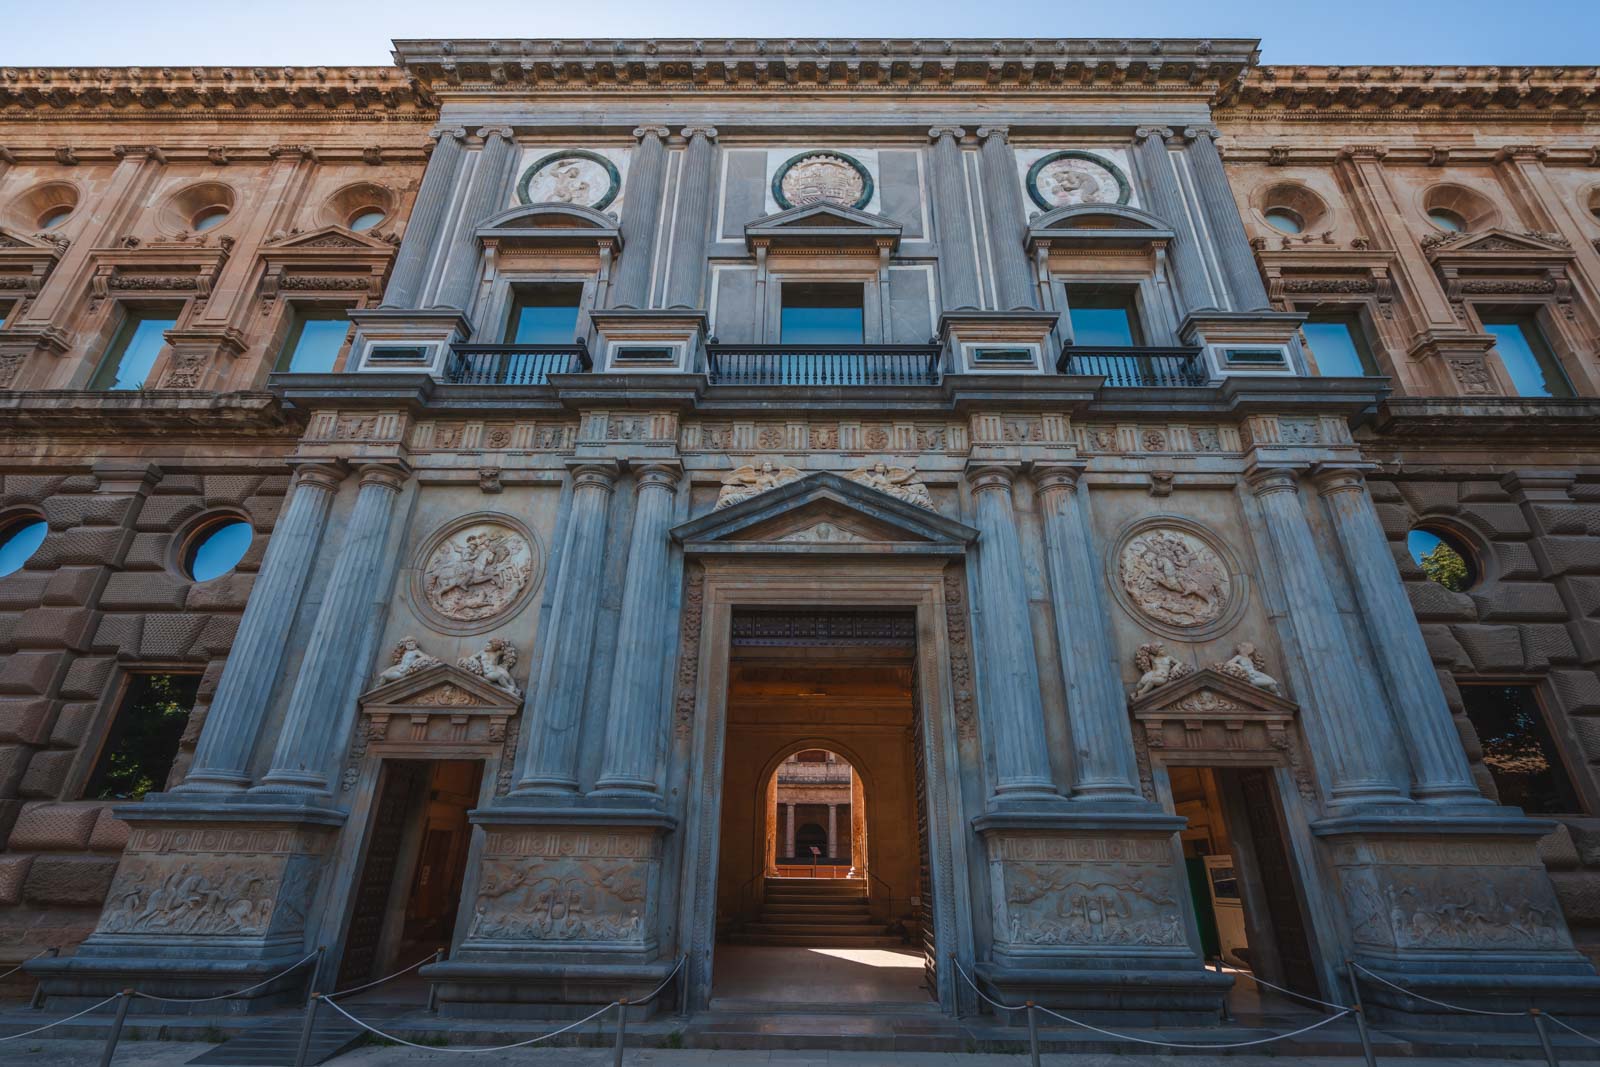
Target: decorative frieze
472, 436
566, 885
800, 436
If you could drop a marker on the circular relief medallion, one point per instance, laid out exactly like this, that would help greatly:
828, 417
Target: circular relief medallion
814, 176
475, 571
1061, 179
586, 179
1177, 578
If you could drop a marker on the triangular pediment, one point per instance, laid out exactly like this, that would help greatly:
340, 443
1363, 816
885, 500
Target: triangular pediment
11, 241
1500, 242
440, 687
1211, 694
327, 237
1097, 226
823, 224
823, 514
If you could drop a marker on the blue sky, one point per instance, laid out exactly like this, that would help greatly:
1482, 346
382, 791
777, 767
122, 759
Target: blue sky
164, 32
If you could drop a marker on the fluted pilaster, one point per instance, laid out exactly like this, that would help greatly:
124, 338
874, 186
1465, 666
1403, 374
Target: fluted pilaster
686, 269
485, 194
1167, 203
958, 264
1007, 221
554, 707
427, 215
222, 756
1222, 215
641, 210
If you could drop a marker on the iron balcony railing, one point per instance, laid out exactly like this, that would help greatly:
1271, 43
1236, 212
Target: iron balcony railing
514, 364
823, 364
1145, 367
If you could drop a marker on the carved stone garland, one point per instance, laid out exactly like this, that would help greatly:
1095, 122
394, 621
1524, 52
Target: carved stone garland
688, 674
955, 620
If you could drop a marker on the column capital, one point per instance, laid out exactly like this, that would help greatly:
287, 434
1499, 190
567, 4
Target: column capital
709, 133
1195, 133
593, 473
656, 473
1160, 133
992, 476
321, 474
1330, 478
1002, 132
953, 132
1267, 480
661, 133
455, 133
390, 474
1058, 476
503, 132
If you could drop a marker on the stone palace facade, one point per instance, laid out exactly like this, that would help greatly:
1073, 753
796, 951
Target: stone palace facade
437, 499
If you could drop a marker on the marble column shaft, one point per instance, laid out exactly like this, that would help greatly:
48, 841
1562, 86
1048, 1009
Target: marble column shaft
1012, 713
1008, 222
1438, 762
696, 184
1167, 203
958, 265
427, 215
633, 718
1353, 734
1104, 765
641, 209
316, 723
788, 830
222, 756
486, 192
833, 830
553, 710
1227, 228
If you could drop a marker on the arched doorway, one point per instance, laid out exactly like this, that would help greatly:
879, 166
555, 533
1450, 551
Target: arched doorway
816, 811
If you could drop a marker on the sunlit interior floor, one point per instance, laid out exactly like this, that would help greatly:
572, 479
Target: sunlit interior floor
819, 976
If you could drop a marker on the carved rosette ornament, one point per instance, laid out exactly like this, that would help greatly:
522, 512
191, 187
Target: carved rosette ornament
753, 479
475, 572
1176, 578
813, 177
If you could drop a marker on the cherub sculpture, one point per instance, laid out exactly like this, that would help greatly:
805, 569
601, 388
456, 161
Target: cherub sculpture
493, 664
407, 658
1157, 668
1248, 666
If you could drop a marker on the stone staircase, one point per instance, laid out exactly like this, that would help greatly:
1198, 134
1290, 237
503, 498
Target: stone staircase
816, 913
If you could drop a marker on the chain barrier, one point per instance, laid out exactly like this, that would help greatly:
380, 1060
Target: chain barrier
58, 1022
1430, 1000
24, 963
1572, 1029
1289, 992
379, 981
237, 993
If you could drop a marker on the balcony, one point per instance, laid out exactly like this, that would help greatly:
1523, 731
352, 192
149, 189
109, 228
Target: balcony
1142, 367
823, 365
514, 364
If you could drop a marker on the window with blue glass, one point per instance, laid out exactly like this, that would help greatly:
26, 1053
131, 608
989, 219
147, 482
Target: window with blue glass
822, 313
1519, 751
216, 549
1103, 316
134, 349
1338, 344
545, 314
20, 538
314, 342
1526, 355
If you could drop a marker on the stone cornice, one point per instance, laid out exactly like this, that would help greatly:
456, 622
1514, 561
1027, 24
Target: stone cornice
304, 91
1324, 93
1190, 66
113, 415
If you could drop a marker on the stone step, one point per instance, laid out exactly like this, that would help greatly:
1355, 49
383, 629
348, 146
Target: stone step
800, 912
816, 941
276, 1044
816, 898
817, 885
812, 926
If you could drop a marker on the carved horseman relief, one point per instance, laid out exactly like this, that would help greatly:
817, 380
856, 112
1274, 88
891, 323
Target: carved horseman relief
475, 573
1175, 577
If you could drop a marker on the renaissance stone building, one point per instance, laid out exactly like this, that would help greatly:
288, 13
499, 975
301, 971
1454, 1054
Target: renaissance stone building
1166, 484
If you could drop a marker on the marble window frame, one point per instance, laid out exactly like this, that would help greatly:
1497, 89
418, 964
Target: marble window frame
1564, 346
491, 323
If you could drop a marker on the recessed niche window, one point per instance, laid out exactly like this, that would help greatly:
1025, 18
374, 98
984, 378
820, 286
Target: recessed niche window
1103, 316
216, 548
139, 749
545, 314
1281, 218
1444, 557
1446, 219
54, 217
1338, 344
314, 342
20, 538
1526, 355
1594, 203
134, 349
822, 313
1518, 749
366, 220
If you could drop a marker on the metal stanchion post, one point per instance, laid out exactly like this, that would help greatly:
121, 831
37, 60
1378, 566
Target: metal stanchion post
622, 1031
124, 999
1360, 1014
1544, 1037
302, 1054
955, 984
433, 988
1033, 1035
1227, 1018
37, 1002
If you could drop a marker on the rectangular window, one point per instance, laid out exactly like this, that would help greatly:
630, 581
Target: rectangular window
1338, 344
314, 341
545, 314
1518, 750
134, 349
822, 313
1103, 316
1526, 355
5, 313
143, 740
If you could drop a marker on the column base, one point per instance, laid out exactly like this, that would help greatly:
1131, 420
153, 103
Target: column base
1457, 907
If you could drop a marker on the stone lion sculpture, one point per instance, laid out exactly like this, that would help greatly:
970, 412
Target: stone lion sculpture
407, 658
493, 663
1157, 668
1249, 667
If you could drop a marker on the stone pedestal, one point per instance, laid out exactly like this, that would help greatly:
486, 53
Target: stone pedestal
637, 341
999, 342
1244, 342
1091, 916
565, 915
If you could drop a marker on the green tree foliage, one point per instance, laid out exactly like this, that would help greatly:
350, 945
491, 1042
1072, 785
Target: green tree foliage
1445, 566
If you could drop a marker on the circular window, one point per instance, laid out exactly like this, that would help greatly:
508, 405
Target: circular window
43, 206
1444, 557
1446, 219
1281, 218
197, 208
366, 220
54, 217
20, 538
209, 218
216, 548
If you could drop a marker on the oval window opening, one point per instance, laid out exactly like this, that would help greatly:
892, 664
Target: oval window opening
1444, 558
1285, 220
218, 549
1446, 219
54, 217
19, 540
366, 220
210, 218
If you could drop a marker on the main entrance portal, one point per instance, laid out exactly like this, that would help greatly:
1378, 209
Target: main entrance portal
822, 841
